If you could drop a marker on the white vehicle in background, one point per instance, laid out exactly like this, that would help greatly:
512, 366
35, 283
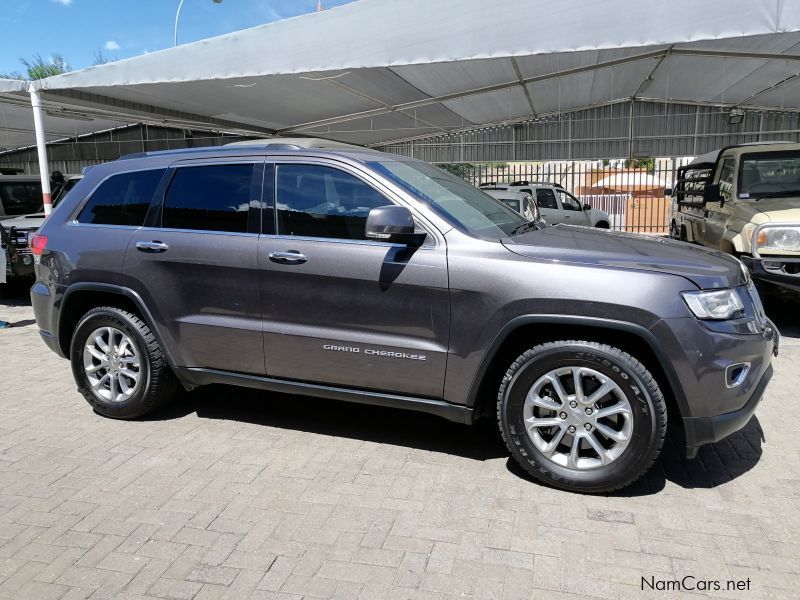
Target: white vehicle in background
522, 202
556, 205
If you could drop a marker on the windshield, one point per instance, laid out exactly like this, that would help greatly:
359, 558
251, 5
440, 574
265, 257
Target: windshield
465, 206
769, 174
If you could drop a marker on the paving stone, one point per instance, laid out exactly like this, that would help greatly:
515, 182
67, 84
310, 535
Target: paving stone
235, 494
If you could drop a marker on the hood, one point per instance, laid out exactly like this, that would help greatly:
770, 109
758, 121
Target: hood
777, 210
612, 249
24, 222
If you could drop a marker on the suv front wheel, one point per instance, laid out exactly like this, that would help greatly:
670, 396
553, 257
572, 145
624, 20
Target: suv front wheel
581, 416
118, 364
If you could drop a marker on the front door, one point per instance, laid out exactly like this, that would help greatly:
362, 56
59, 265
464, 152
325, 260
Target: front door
341, 310
196, 265
716, 213
573, 210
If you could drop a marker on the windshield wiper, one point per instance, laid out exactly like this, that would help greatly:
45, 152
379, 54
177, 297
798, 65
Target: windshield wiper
523, 227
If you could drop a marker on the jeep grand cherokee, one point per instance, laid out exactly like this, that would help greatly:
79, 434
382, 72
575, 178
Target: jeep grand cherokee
366, 277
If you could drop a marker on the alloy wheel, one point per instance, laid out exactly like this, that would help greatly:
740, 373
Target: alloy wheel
578, 418
111, 363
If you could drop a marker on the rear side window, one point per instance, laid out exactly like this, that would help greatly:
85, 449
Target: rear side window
21, 198
122, 199
209, 198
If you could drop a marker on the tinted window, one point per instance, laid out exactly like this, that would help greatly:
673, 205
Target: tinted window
545, 198
21, 198
209, 198
568, 202
122, 199
317, 201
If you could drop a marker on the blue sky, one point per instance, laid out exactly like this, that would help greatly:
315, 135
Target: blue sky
77, 29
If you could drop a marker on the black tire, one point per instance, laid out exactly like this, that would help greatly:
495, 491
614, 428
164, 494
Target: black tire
157, 384
602, 225
648, 410
673, 231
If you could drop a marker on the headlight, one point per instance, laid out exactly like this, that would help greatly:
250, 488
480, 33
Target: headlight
778, 238
714, 304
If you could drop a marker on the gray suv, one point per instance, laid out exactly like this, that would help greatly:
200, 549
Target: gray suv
366, 277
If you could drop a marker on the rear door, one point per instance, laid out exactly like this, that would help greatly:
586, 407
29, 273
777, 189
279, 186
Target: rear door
548, 206
340, 309
196, 264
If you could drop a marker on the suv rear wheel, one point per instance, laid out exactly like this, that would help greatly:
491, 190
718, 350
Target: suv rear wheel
581, 416
118, 364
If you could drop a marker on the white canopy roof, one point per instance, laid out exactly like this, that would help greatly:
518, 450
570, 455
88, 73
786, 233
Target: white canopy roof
375, 71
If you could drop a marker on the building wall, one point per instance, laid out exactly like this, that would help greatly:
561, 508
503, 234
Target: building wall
625, 129
70, 156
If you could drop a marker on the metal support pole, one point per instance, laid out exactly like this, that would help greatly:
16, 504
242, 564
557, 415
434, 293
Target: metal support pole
41, 150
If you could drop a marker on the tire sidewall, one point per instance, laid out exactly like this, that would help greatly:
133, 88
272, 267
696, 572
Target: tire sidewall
108, 318
644, 439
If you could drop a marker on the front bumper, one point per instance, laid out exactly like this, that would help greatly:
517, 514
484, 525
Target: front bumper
779, 270
708, 430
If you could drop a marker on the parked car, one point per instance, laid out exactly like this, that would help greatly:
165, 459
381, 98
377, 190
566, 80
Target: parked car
19, 195
744, 200
522, 202
355, 275
15, 247
557, 205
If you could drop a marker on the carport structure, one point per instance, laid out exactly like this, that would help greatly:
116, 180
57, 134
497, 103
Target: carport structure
380, 71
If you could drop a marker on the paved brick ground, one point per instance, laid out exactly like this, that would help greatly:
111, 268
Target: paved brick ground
236, 494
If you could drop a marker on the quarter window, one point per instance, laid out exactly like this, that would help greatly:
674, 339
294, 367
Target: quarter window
317, 201
122, 199
209, 198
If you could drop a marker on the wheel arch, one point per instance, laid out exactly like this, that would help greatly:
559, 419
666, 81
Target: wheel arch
526, 331
81, 297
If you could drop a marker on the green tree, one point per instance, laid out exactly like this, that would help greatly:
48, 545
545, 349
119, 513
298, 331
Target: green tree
648, 164
463, 170
39, 68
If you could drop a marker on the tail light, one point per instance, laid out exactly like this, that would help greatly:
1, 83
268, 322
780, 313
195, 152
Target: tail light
37, 244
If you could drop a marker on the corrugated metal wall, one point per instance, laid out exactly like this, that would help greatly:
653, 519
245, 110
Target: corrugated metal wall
625, 129
70, 156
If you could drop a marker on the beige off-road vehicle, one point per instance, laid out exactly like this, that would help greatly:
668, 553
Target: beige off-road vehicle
744, 200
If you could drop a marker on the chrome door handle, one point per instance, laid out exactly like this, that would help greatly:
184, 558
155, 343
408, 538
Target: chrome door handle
291, 257
151, 247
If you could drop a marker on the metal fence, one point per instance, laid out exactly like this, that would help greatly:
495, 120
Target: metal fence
631, 192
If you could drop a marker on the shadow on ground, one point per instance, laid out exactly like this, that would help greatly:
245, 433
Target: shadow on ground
716, 464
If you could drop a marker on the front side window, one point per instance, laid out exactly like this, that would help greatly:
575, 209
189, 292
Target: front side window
209, 198
461, 204
545, 198
568, 202
122, 199
23, 198
323, 202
